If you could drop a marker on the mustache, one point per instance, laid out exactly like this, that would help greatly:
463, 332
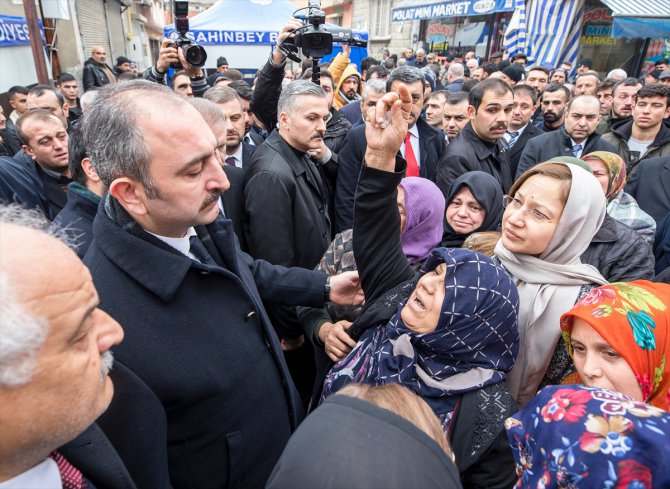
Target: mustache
106, 362
500, 125
212, 197
318, 135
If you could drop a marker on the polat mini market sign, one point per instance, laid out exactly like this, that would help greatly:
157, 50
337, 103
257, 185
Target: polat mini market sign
462, 8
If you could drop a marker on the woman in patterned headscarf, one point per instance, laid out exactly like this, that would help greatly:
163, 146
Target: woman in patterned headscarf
619, 338
610, 170
574, 436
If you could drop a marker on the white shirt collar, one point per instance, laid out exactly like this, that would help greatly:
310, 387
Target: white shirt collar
43, 476
182, 245
520, 130
414, 132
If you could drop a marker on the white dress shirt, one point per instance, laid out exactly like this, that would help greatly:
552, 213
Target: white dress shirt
414, 141
43, 476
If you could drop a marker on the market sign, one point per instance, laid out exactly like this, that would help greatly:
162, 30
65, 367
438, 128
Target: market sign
453, 8
14, 31
597, 29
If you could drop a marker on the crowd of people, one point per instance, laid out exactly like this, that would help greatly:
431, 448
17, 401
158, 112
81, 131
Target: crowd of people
419, 272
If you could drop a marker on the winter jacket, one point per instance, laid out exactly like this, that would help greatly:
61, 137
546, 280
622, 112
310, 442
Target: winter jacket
620, 135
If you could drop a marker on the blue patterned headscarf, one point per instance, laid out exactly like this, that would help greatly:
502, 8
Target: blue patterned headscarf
576, 436
475, 343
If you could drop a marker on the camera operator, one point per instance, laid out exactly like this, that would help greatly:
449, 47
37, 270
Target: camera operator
169, 54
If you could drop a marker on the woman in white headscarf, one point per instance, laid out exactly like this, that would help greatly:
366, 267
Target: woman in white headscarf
551, 214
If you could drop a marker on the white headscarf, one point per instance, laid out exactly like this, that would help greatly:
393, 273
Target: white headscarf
549, 284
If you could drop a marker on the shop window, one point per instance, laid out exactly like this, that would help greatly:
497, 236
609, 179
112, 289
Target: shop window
380, 18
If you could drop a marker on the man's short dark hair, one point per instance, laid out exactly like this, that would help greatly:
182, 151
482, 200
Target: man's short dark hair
468, 85
503, 64
662, 61
606, 84
539, 68
557, 87
588, 73
327, 74
367, 63
495, 85
65, 77
37, 114
390, 63
455, 98
526, 90
586, 62
242, 88
655, 73
519, 56
76, 153
379, 70
177, 74
405, 74
16, 89
39, 90
654, 90
626, 82
439, 93
489, 68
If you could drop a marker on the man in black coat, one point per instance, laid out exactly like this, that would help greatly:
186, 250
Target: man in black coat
54, 365
479, 146
577, 137
426, 142
169, 267
650, 186
96, 72
19, 186
520, 129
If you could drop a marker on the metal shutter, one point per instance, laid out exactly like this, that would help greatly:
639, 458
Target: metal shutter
93, 26
117, 36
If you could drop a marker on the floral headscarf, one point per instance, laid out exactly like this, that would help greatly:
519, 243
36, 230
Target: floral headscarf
475, 343
617, 171
576, 436
633, 318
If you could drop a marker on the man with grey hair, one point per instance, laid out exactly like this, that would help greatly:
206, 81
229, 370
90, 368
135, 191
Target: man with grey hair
168, 266
286, 197
423, 146
54, 364
373, 90
455, 77
617, 74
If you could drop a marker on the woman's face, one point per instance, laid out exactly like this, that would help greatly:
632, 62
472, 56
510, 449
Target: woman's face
600, 171
423, 308
464, 213
531, 218
600, 365
401, 208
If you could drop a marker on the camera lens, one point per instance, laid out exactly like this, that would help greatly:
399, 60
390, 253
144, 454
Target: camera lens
196, 56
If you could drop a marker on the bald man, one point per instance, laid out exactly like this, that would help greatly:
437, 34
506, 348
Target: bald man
96, 72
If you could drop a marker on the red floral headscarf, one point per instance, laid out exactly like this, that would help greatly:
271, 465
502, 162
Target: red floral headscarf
633, 318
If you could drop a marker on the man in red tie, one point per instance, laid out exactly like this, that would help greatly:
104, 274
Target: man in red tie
54, 363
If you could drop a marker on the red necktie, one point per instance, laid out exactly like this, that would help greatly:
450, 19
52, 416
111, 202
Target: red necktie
412, 165
70, 475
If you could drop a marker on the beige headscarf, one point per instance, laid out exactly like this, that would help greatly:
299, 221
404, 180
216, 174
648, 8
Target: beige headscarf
549, 284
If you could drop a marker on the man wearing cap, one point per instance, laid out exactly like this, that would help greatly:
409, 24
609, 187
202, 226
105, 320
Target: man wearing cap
122, 66
96, 72
221, 69
664, 77
512, 75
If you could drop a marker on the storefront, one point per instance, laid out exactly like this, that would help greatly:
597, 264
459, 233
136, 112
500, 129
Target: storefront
457, 26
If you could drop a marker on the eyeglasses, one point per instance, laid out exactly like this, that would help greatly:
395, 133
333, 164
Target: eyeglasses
515, 204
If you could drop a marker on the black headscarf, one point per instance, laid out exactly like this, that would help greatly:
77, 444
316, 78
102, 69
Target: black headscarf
487, 191
351, 443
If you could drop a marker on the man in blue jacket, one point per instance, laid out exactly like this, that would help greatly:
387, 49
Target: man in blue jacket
169, 268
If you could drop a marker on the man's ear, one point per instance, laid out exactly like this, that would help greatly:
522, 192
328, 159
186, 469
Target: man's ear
28, 151
66, 110
472, 112
130, 195
284, 120
87, 166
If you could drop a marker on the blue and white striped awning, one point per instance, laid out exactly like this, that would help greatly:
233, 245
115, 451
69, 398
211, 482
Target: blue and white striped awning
640, 18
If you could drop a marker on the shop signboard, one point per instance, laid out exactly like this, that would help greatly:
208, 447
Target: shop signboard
439, 36
14, 31
597, 30
452, 8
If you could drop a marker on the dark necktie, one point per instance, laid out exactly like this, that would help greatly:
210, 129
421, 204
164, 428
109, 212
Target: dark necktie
513, 135
231, 160
70, 475
198, 250
410, 157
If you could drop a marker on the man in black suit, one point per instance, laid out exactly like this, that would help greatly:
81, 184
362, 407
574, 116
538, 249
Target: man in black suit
425, 144
520, 129
650, 186
237, 152
168, 266
54, 364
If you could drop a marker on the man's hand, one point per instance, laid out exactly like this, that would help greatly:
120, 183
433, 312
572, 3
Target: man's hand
190, 70
336, 340
322, 154
346, 50
385, 128
345, 289
277, 56
166, 56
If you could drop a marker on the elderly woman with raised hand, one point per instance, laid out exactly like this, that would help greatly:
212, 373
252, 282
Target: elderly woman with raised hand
619, 338
474, 204
552, 212
451, 337
610, 170
582, 437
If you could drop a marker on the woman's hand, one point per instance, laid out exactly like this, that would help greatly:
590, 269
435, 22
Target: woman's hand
385, 128
337, 342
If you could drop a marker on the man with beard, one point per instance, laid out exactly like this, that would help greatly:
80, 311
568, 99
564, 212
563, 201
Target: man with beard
455, 116
96, 72
520, 130
553, 102
349, 87
646, 136
253, 134
237, 152
578, 137
623, 100
479, 146
423, 146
